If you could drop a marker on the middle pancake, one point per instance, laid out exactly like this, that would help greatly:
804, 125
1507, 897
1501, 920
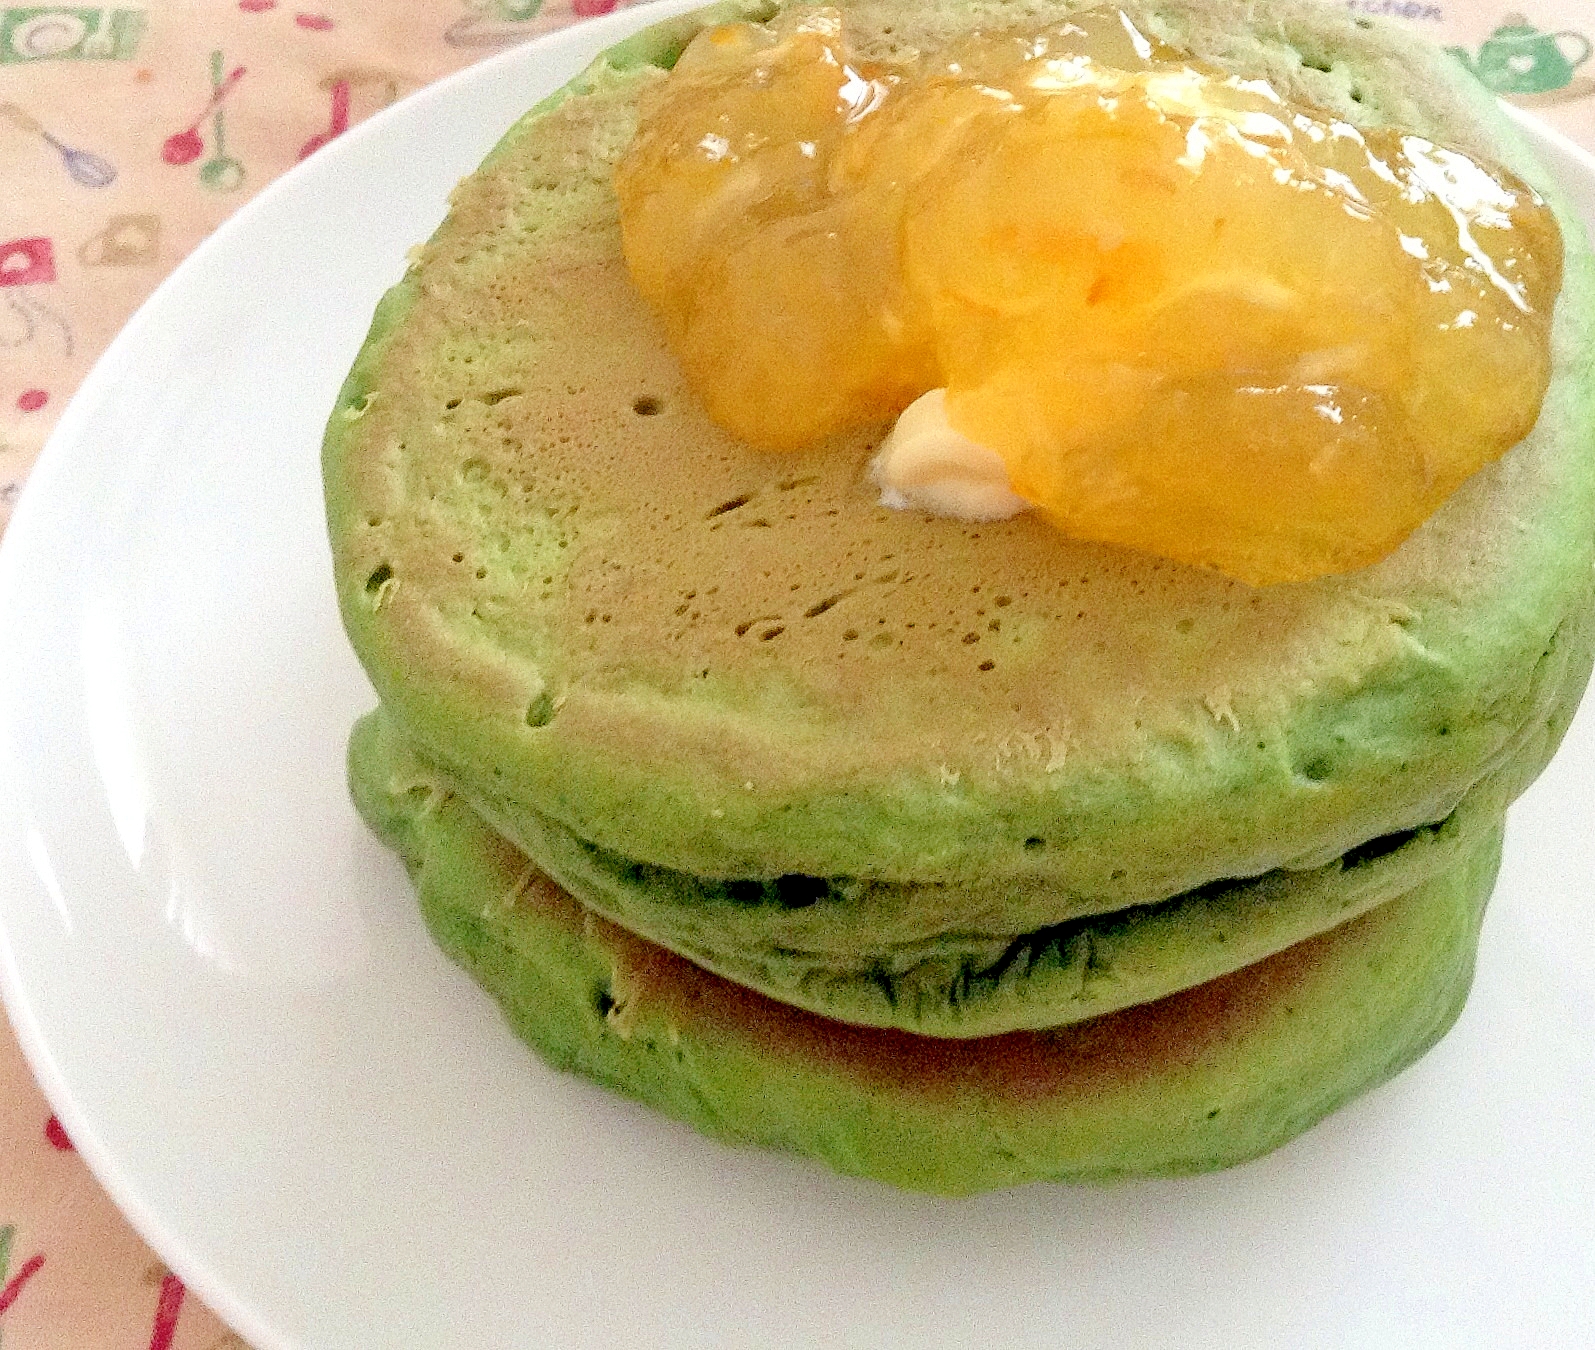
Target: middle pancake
949, 960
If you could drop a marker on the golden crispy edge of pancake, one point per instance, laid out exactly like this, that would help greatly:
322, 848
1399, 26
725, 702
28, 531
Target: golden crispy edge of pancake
1199, 1080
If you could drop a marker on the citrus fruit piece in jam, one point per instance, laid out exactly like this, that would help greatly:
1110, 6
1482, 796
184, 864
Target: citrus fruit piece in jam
1190, 316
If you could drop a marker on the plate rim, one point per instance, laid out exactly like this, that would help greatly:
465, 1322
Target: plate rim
158, 1231
17, 543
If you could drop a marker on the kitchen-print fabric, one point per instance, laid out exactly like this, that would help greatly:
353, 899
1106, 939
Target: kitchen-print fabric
129, 131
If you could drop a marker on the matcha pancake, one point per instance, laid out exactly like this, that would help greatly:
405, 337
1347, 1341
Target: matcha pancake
1200, 1080
871, 963
955, 854
608, 622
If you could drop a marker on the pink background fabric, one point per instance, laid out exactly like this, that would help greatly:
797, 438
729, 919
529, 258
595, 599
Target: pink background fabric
130, 130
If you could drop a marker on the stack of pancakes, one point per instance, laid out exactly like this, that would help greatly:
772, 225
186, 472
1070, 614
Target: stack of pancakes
956, 855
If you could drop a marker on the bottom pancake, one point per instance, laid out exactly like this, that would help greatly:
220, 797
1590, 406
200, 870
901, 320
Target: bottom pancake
1198, 1080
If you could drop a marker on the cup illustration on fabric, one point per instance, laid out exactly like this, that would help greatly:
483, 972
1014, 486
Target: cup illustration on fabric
69, 33
1518, 60
492, 23
125, 241
375, 86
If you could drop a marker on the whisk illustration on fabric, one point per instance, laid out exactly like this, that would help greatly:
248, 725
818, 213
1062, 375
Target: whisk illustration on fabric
85, 167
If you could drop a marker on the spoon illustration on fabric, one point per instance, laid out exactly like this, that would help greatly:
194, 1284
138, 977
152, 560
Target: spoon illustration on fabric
12, 1287
184, 147
337, 124
84, 167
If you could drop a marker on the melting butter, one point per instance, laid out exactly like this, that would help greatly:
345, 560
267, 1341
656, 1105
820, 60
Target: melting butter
926, 464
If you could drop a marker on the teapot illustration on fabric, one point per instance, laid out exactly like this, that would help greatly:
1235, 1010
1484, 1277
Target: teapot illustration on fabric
1519, 59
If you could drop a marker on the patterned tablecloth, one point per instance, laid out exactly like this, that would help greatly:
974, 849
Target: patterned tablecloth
127, 133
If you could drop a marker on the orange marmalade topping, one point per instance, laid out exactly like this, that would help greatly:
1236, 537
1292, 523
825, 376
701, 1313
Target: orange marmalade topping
1189, 316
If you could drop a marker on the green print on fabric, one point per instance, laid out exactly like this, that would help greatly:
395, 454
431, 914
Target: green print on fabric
11, 1285
58, 33
221, 172
1519, 59
492, 23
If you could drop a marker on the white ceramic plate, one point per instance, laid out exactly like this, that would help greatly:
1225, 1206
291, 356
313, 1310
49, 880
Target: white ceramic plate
226, 990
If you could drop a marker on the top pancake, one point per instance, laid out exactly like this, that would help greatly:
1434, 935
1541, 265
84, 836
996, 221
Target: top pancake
589, 604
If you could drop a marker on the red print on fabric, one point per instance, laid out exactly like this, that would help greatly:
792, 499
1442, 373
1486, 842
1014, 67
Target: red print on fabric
337, 121
13, 1287
166, 1313
316, 23
27, 262
184, 147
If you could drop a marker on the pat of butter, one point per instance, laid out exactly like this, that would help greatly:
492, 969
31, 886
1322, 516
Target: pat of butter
925, 465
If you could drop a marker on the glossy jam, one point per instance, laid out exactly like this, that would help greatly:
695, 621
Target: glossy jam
1191, 317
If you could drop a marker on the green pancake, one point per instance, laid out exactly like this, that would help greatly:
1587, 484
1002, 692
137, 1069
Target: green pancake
861, 968
591, 607
1203, 1079
902, 771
